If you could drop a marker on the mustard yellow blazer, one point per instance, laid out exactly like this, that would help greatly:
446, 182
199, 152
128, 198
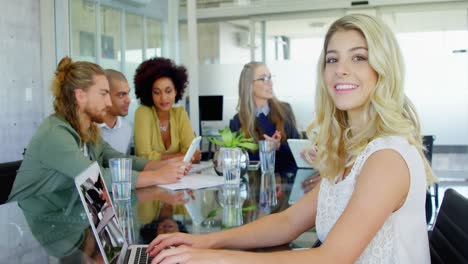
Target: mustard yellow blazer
148, 140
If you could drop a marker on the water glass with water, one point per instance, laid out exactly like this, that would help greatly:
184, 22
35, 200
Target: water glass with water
267, 149
232, 206
230, 160
267, 197
121, 173
124, 213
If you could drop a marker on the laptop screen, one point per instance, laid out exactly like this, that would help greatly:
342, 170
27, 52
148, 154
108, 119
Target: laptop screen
101, 213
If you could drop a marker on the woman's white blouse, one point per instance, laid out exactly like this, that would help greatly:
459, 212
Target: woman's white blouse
403, 237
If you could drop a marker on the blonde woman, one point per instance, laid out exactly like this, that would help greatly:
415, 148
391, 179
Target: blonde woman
369, 206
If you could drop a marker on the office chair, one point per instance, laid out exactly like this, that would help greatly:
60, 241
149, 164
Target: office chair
448, 240
7, 178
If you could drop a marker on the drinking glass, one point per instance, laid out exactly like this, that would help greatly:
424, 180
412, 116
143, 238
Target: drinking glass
124, 213
267, 150
232, 208
230, 159
121, 173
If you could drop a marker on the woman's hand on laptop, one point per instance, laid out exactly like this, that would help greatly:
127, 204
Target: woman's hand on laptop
186, 254
166, 241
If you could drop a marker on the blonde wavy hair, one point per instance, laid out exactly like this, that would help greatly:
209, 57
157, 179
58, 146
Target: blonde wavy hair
246, 106
70, 76
389, 110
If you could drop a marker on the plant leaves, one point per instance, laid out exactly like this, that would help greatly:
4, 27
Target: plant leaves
212, 213
249, 208
251, 146
227, 137
217, 141
233, 139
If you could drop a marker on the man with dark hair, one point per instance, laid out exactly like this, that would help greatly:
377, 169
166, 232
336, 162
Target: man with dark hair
115, 130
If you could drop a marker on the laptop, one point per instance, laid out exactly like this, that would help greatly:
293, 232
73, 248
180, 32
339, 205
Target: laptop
103, 220
297, 146
297, 192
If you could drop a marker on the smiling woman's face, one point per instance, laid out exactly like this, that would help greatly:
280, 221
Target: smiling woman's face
349, 77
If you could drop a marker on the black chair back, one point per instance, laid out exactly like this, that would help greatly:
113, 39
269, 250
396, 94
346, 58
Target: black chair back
7, 178
449, 238
428, 143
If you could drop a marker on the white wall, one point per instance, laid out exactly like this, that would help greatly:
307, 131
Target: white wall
231, 50
21, 94
437, 83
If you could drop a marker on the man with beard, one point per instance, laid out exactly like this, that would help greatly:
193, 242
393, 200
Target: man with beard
68, 141
115, 130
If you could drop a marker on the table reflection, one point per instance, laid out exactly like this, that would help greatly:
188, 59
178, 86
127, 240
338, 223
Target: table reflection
59, 223
59, 228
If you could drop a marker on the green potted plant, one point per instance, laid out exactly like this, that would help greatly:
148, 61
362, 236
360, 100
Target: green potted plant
229, 139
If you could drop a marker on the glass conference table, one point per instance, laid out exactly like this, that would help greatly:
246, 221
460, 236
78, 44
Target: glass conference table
53, 227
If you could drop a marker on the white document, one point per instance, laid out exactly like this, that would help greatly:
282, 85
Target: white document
197, 167
195, 181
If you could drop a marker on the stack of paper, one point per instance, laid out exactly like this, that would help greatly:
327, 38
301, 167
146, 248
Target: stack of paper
195, 181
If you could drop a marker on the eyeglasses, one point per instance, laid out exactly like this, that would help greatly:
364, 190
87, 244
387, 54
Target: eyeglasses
265, 78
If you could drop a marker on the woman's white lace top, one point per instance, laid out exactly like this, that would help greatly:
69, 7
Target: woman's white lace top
403, 237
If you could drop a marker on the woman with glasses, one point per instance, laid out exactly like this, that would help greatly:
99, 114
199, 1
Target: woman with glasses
161, 130
261, 115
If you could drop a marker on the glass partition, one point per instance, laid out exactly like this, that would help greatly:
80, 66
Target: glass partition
83, 30
155, 36
133, 38
111, 55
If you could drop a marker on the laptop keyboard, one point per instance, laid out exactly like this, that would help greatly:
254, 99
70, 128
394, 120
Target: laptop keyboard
141, 257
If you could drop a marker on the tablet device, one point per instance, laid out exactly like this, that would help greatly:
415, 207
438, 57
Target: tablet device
297, 146
297, 192
193, 147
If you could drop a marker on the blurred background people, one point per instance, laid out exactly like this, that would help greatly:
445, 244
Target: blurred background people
69, 141
261, 115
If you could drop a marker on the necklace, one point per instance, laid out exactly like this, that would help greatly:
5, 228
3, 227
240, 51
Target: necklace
163, 127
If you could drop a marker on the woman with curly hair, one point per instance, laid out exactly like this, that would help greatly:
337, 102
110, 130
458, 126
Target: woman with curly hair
369, 206
161, 130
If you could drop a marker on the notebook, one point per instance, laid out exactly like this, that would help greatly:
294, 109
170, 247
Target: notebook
297, 146
297, 192
103, 220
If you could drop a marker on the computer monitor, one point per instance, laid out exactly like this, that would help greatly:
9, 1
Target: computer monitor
210, 107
